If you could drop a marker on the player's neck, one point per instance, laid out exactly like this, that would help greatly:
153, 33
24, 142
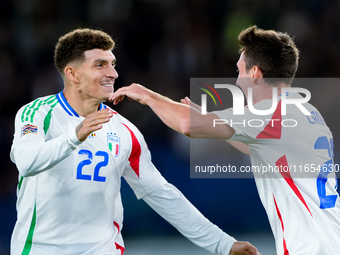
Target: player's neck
266, 91
82, 106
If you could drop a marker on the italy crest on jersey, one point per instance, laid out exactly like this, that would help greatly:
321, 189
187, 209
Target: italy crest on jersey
113, 142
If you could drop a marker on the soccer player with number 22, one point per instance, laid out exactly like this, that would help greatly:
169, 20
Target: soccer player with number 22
71, 151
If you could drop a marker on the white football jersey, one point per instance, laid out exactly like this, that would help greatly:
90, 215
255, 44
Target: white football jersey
69, 192
292, 161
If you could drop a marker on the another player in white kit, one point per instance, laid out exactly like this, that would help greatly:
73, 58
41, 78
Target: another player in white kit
303, 207
71, 152
300, 201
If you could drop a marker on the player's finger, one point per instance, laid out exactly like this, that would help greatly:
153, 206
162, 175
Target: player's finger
253, 250
96, 122
99, 114
241, 248
118, 94
93, 122
99, 117
114, 96
117, 98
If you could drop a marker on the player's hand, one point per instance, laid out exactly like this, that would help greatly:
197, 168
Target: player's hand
92, 123
133, 92
187, 101
242, 248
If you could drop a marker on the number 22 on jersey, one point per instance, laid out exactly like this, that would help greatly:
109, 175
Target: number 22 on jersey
97, 167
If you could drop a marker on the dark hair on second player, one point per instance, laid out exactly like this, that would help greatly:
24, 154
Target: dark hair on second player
71, 47
275, 53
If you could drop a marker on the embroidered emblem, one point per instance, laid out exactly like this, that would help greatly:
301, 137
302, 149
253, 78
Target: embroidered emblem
113, 142
29, 129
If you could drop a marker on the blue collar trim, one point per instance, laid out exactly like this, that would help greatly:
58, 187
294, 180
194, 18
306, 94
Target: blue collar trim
67, 107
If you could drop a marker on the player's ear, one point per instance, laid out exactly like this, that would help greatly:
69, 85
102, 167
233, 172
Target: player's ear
255, 73
71, 74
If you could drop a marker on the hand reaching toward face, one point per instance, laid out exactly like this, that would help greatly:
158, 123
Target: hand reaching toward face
134, 92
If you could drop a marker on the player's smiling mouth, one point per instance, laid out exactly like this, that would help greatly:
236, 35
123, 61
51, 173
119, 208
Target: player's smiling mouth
108, 84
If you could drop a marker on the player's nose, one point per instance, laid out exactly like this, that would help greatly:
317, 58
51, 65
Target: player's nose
112, 73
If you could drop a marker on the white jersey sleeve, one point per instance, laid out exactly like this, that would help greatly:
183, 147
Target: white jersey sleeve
140, 173
31, 152
170, 203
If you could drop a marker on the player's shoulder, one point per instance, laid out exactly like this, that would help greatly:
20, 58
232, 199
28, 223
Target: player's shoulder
41, 102
40, 105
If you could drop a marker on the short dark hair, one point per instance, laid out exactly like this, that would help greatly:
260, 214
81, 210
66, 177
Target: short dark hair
71, 46
275, 53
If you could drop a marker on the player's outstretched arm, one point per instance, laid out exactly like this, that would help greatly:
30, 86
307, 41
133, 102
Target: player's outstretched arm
236, 144
170, 203
173, 114
178, 116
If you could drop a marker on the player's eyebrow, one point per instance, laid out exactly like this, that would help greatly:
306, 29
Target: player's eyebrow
104, 61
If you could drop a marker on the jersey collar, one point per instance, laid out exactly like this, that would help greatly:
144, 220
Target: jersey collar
67, 107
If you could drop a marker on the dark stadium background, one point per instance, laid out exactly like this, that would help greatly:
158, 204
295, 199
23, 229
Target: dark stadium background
161, 44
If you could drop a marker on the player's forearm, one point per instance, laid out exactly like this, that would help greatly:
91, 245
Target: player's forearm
33, 158
178, 211
173, 114
178, 116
